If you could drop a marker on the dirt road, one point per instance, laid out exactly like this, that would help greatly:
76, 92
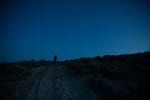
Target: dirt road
56, 83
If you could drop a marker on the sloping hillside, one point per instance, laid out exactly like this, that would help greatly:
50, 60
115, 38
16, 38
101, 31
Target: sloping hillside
123, 77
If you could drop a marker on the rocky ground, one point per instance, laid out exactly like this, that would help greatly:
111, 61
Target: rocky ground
122, 77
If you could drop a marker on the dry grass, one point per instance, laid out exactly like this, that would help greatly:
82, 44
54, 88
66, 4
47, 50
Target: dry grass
123, 77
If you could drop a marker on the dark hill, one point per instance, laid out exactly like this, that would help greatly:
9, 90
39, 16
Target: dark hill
111, 77
122, 77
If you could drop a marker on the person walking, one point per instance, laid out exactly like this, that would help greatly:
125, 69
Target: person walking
55, 59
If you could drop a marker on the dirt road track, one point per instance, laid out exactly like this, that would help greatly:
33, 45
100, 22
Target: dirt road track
55, 83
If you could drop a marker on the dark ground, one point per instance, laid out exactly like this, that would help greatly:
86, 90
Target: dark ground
122, 77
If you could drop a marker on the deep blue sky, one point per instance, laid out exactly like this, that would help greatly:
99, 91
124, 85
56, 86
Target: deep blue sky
40, 29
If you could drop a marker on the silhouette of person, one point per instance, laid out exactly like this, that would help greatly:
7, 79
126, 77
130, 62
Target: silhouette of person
55, 59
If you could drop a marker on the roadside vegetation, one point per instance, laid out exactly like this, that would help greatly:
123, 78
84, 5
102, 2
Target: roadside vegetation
12, 74
122, 77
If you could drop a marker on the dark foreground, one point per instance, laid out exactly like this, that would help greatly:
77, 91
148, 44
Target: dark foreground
124, 77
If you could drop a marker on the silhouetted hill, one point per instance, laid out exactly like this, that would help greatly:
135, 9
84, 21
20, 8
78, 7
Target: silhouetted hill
122, 77
119, 77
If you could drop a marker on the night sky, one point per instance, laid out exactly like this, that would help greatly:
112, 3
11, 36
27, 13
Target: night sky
70, 29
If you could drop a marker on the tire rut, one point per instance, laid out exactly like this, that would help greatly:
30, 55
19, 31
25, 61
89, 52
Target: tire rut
26, 86
61, 91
